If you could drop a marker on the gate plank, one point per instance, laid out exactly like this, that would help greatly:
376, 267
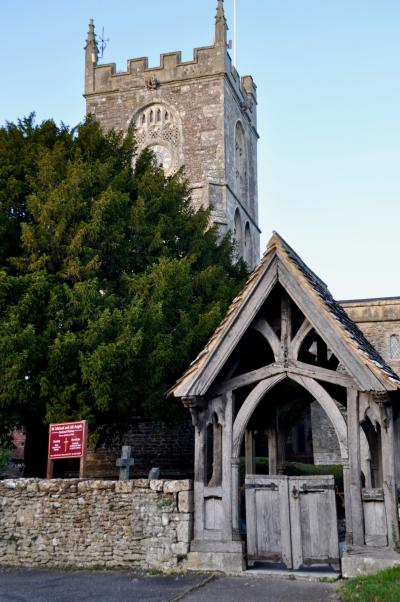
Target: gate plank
267, 517
374, 517
313, 520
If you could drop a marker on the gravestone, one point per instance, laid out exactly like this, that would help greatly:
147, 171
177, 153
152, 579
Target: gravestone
154, 474
125, 462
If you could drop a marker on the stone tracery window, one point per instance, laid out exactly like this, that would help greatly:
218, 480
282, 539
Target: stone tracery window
394, 346
157, 128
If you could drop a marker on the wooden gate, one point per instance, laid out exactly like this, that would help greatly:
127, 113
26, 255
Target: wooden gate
292, 520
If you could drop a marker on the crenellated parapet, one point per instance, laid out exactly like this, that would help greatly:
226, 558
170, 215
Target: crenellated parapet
205, 62
208, 62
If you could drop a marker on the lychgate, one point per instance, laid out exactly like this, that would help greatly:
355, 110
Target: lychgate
284, 347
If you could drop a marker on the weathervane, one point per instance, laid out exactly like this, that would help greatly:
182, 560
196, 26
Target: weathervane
103, 43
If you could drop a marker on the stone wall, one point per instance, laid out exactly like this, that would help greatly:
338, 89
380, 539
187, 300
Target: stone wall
154, 444
324, 439
379, 319
136, 524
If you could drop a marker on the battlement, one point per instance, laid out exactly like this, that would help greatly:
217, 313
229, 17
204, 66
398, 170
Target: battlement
207, 61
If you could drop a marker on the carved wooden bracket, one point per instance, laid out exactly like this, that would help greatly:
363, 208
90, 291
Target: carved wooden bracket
196, 407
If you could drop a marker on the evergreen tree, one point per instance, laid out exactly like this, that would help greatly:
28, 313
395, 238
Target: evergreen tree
110, 282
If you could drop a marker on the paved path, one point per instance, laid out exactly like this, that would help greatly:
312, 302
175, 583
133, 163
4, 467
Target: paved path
32, 585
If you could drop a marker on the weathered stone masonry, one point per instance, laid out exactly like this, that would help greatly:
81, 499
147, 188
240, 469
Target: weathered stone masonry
199, 114
138, 524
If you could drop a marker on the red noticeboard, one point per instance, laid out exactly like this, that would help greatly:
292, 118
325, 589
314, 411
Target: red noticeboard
67, 440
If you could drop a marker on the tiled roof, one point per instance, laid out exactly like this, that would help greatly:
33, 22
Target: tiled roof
337, 311
346, 327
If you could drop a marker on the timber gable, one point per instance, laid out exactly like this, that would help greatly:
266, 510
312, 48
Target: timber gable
358, 363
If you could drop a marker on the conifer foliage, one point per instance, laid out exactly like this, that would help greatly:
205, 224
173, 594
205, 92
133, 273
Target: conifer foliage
110, 282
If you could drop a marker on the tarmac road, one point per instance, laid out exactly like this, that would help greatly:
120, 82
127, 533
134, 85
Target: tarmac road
33, 585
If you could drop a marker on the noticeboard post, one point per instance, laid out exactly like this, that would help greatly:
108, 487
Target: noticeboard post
67, 440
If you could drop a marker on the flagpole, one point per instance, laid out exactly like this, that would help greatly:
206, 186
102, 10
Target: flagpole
234, 34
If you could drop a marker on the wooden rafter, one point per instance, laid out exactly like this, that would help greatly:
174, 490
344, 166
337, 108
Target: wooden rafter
291, 368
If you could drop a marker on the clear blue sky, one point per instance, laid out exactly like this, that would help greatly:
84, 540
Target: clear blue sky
328, 82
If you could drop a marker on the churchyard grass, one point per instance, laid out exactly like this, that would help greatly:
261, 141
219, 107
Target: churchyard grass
381, 587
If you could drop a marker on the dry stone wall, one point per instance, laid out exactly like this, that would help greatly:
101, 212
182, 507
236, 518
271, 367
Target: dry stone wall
138, 524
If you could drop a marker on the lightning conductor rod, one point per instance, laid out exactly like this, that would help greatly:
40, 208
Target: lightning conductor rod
235, 33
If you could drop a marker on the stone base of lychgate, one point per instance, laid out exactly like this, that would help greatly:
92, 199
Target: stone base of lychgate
358, 561
227, 557
137, 524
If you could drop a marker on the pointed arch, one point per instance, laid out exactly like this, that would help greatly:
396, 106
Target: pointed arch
313, 387
248, 246
298, 339
240, 162
238, 233
262, 326
248, 407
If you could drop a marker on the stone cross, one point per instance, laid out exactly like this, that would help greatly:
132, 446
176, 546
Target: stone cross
125, 462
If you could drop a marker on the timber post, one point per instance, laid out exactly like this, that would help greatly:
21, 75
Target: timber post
353, 425
388, 473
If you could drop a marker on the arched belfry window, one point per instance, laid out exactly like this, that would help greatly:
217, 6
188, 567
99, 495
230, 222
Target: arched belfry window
248, 246
237, 233
394, 346
240, 163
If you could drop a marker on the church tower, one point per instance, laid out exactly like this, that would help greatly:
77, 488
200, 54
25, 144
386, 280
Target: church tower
200, 114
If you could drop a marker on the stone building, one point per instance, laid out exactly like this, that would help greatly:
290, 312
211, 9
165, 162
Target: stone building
379, 320
199, 114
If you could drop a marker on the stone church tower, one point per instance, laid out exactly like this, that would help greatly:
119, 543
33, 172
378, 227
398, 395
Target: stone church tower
200, 114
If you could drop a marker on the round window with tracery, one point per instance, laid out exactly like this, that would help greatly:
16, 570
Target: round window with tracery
157, 128
163, 156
